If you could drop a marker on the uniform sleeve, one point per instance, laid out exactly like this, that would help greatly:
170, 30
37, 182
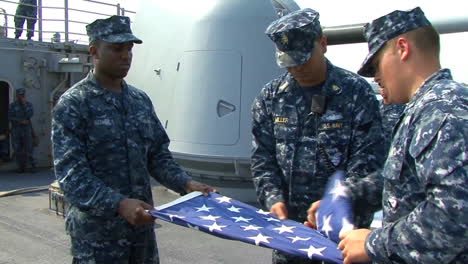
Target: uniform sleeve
366, 154
366, 193
435, 231
161, 164
30, 111
72, 170
12, 115
265, 171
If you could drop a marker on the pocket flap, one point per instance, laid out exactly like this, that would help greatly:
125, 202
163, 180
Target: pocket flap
426, 133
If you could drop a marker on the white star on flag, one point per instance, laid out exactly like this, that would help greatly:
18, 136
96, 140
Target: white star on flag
347, 226
176, 216
251, 227
224, 199
260, 211
271, 219
241, 219
296, 238
284, 228
254, 226
327, 228
312, 250
210, 217
339, 190
260, 238
234, 209
204, 208
215, 226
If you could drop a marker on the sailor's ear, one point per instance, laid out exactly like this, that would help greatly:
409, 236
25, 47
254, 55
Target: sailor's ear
323, 43
93, 48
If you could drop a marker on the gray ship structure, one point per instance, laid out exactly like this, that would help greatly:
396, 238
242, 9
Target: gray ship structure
202, 63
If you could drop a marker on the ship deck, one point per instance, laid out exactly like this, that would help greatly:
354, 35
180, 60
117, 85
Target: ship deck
31, 233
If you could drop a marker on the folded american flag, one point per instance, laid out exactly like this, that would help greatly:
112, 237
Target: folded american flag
227, 218
334, 215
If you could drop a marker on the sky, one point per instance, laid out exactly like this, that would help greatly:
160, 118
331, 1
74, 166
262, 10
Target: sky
454, 54
332, 13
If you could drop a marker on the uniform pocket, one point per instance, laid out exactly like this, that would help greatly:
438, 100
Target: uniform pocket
423, 137
334, 138
103, 139
102, 130
146, 128
285, 132
285, 137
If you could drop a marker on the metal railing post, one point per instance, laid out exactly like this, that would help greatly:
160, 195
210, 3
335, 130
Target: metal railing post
123, 11
39, 15
118, 9
66, 21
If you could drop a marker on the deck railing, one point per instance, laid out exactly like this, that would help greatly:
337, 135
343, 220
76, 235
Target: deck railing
44, 24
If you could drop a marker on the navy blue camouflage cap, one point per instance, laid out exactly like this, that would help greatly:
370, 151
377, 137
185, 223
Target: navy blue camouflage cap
386, 28
20, 91
294, 35
115, 29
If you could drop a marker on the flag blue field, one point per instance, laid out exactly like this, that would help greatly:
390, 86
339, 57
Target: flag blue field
231, 219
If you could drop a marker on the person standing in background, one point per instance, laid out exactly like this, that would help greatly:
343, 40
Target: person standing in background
20, 114
26, 10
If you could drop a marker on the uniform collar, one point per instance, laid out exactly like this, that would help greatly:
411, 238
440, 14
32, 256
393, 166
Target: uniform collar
285, 86
329, 88
96, 88
443, 74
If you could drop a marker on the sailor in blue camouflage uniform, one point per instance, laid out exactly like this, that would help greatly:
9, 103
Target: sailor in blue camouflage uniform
26, 10
425, 179
20, 114
310, 121
107, 142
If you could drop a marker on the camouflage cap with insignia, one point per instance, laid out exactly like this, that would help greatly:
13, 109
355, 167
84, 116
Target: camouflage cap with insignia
20, 91
386, 28
294, 35
115, 29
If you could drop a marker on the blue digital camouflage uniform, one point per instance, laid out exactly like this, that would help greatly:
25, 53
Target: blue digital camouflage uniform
26, 10
21, 134
296, 150
390, 115
425, 178
106, 145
